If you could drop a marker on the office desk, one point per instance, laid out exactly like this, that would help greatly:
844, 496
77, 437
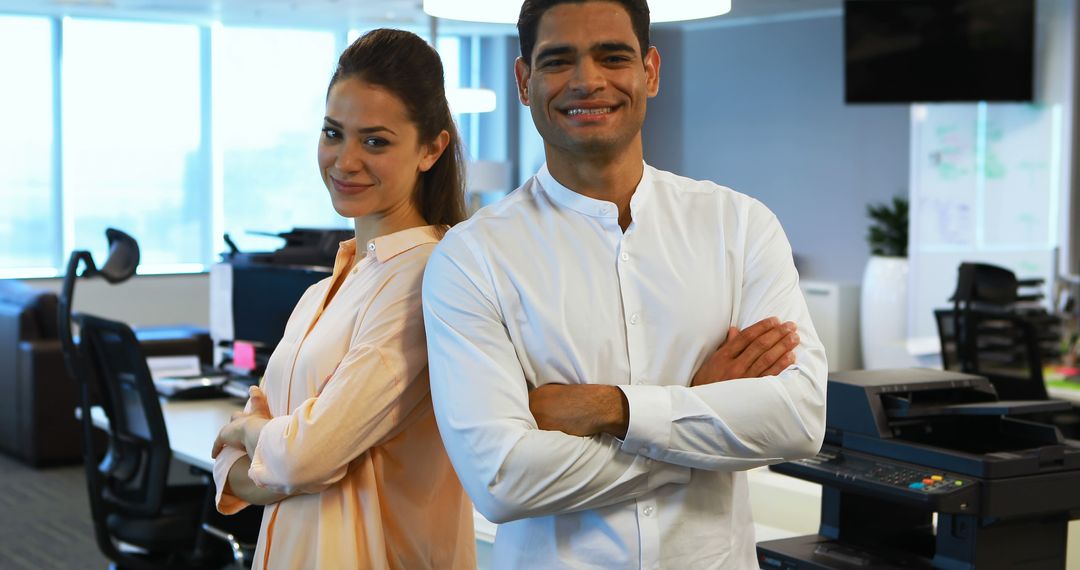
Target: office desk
193, 426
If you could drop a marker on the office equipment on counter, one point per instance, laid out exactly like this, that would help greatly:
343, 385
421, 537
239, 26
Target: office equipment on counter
901, 445
253, 294
192, 387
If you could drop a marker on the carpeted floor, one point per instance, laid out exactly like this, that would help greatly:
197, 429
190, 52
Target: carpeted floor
45, 519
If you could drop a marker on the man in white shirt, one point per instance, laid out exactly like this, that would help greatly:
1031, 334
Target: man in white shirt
573, 328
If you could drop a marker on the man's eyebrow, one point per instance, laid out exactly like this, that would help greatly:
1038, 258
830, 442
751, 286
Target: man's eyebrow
554, 51
601, 47
365, 130
613, 46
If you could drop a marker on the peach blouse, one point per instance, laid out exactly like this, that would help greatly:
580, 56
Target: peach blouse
353, 438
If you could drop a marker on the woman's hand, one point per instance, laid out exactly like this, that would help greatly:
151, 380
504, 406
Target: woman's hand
244, 428
239, 485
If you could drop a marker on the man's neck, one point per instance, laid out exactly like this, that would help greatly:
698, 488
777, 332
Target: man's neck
612, 178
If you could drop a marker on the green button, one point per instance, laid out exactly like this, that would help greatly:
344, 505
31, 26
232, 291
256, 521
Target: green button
958, 483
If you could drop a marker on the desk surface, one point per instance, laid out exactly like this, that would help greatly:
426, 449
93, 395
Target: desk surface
193, 426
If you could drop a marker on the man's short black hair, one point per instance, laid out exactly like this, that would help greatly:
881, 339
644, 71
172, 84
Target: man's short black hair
532, 10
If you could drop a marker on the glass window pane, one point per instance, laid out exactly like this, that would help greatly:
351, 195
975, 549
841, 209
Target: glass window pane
269, 102
29, 225
131, 145
449, 49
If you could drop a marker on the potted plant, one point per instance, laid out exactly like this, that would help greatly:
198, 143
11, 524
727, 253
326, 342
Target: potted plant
884, 295
888, 235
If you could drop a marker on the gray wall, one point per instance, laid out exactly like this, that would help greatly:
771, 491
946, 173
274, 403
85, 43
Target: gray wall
146, 300
759, 106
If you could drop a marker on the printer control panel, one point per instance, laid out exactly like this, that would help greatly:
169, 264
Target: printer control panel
887, 473
906, 482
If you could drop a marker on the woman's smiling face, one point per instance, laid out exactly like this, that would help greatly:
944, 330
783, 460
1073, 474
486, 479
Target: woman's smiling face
370, 155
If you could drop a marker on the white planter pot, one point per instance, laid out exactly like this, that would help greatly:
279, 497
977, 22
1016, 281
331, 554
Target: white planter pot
883, 314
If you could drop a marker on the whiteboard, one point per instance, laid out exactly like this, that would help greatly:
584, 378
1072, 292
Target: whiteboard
984, 188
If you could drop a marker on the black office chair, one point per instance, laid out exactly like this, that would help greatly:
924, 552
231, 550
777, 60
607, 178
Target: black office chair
140, 522
130, 500
1005, 348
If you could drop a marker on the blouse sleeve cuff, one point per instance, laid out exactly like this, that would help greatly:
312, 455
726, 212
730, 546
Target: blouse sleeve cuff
226, 502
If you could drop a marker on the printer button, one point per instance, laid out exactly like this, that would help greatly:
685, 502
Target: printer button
917, 485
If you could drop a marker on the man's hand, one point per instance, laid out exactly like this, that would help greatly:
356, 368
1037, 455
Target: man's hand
765, 348
580, 409
243, 429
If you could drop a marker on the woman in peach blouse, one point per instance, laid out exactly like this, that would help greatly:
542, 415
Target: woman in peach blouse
340, 443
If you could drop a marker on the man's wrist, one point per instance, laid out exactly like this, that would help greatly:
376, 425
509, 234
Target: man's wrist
616, 412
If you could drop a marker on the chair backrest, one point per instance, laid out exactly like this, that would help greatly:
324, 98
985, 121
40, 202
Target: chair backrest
981, 283
132, 477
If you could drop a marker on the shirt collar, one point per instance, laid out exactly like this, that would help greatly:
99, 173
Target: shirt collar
591, 206
388, 246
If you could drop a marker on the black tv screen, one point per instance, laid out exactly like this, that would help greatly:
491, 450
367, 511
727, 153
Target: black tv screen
904, 51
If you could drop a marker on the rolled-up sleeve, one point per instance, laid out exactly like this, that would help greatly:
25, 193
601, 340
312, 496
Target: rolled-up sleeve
510, 468
743, 423
371, 396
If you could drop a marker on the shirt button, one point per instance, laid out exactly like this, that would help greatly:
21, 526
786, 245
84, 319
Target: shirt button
647, 511
371, 246
634, 318
625, 256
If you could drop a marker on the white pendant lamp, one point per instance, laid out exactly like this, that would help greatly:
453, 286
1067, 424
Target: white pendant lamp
506, 11
470, 100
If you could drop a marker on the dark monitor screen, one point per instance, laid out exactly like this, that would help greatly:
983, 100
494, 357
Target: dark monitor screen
903, 51
263, 298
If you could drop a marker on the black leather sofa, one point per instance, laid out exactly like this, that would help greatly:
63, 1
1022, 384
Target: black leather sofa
37, 397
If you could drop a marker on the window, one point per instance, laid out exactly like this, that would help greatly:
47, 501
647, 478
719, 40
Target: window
131, 140
29, 228
174, 133
269, 102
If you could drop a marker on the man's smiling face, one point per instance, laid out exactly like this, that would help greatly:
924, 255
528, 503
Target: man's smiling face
587, 84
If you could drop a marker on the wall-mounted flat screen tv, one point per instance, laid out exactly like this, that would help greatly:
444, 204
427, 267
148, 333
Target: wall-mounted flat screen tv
905, 51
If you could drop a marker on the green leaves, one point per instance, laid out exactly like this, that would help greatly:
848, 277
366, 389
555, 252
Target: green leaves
888, 233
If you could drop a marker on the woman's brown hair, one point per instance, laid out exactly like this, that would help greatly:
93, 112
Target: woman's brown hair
404, 64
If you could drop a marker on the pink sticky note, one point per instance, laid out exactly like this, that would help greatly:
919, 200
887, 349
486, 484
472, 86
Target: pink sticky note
243, 355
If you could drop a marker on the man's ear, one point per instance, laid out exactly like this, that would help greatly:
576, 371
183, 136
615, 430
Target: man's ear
522, 72
652, 71
433, 150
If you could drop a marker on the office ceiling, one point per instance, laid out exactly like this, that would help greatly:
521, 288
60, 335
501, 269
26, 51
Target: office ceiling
325, 13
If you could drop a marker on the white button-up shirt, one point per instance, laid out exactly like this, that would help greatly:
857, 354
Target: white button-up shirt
545, 287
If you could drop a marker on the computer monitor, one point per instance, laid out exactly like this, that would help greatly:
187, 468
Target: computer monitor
263, 298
